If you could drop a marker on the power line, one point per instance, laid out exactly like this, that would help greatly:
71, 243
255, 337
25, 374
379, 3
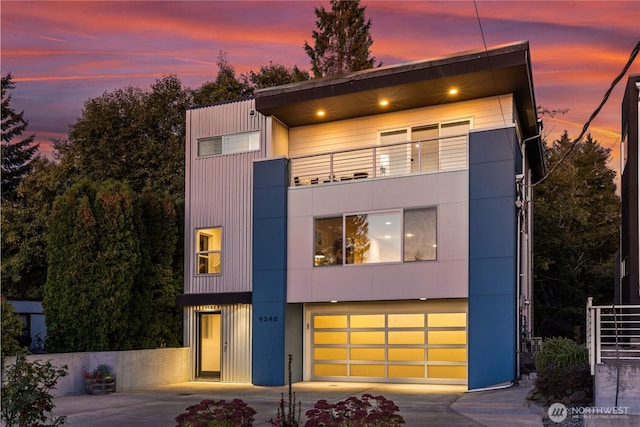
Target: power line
632, 58
493, 78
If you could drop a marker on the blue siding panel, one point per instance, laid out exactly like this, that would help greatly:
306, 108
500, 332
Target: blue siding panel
267, 251
269, 271
492, 343
492, 226
493, 179
493, 163
493, 276
266, 174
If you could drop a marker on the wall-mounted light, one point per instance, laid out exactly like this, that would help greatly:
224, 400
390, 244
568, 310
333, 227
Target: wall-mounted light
453, 91
384, 102
320, 113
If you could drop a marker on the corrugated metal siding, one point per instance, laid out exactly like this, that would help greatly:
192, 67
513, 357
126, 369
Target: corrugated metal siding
485, 113
218, 193
236, 334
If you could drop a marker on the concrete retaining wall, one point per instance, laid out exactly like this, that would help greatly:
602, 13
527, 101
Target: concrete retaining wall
605, 384
133, 370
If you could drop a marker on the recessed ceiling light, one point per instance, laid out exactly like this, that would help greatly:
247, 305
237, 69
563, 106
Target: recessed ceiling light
384, 102
320, 113
333, 301
453, 91
387, 223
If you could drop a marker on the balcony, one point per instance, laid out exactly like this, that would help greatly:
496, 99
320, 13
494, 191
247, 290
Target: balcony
402, 158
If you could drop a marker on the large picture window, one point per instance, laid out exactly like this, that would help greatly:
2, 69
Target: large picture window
229, 144
208, 250
376, 237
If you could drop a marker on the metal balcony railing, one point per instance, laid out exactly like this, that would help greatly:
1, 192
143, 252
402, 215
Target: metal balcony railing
613, 334
425, 155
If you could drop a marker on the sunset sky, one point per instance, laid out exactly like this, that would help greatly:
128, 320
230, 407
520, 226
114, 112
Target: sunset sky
62, 53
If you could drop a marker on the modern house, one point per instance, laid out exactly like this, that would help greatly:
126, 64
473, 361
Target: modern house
628, 287
377, 225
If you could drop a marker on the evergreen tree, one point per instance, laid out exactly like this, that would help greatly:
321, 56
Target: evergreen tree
342, 41
274, 75
576, 223
69, 303
111, 282
17, 157
158, 320
225, 87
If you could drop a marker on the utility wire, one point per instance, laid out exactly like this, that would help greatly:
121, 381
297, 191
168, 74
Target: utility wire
632, 58
493, 77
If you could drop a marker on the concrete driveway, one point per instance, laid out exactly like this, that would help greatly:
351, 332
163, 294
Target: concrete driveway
420, 405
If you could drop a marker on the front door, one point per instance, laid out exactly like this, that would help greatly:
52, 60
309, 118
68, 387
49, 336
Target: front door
209, 346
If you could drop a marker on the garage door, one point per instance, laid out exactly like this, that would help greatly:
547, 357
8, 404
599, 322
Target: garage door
399, 346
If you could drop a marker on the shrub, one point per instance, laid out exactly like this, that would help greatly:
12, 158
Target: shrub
26, 393
355, 412
562, 369
557, 382
11, 329
217, 414
561, 352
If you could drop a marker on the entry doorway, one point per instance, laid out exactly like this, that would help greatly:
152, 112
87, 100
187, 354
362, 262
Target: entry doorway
209, 345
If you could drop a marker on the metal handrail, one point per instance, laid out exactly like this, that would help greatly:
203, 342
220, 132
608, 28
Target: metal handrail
402, 158
613, 335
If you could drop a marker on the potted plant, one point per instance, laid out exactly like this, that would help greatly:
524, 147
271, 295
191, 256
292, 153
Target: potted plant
100, 381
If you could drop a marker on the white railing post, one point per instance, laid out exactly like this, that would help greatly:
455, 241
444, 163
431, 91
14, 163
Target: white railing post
598, 335
375, 163
590, 329
331, 177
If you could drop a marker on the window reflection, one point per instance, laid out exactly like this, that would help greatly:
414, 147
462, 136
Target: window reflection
376, 237
420, 234
328, 242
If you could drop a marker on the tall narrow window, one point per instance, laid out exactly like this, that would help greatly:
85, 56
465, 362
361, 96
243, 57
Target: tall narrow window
453, 145
425, 149
328, 242
208, 250
420, 234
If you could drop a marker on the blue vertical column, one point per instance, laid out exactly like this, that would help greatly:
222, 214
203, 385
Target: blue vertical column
269, 253
494, 160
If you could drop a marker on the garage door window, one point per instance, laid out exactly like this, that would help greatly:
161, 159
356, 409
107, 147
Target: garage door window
404, 347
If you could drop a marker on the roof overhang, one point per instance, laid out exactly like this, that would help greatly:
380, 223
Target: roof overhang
476, 74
